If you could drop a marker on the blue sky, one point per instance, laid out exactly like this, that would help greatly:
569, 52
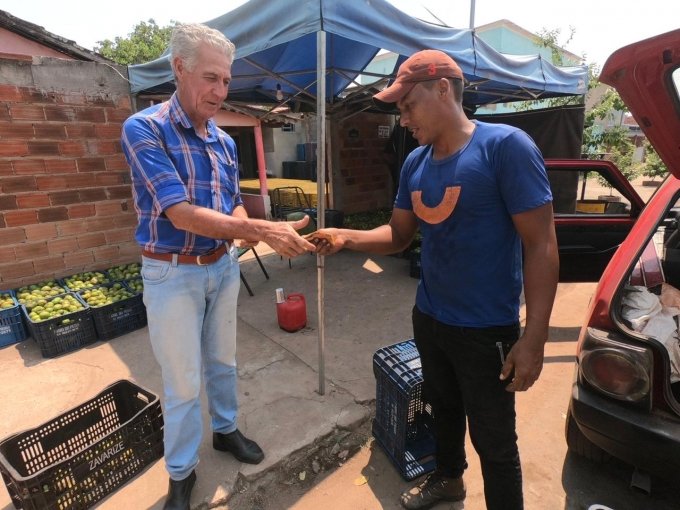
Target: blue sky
601, 26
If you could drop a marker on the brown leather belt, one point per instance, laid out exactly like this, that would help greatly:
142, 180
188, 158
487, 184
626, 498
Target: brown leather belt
200, 260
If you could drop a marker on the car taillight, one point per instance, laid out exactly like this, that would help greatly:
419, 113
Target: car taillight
617, 369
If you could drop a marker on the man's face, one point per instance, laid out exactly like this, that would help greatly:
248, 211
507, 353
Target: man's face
419, 112
203, 88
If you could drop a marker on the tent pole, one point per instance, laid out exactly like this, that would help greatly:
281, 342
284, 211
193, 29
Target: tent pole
321, 188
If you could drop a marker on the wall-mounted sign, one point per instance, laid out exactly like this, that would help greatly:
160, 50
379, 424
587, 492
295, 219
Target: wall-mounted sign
383, 131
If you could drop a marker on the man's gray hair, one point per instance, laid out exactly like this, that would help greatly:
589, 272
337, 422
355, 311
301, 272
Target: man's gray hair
187, 38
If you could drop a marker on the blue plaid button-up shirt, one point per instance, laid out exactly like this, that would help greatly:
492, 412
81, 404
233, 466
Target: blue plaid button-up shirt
170, 164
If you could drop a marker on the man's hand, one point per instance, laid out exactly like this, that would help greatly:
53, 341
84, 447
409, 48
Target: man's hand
327, 241
524, 363
283, 238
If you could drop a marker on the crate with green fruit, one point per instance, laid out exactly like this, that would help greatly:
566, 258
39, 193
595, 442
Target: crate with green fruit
11, 326
116, 309
125, 271
87, 279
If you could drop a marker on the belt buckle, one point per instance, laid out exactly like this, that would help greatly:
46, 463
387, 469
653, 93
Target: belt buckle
198, 261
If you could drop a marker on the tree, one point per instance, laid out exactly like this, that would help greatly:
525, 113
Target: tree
146, 42
653, 166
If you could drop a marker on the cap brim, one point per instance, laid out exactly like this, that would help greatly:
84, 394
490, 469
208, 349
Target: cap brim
387, 99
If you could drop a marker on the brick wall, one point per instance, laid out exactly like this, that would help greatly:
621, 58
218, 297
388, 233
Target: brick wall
65, 195
361, 174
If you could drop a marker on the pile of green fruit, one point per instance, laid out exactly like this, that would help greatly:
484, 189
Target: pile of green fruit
29, 294
6, 301
125, 271
136, 284
106, 295
86, 280
45, 309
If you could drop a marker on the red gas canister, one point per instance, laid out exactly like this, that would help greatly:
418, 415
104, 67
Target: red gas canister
291, 312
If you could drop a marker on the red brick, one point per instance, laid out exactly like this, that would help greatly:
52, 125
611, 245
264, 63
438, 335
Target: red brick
31, 95
126, 220
100, 101
69, 228
43, 148
81, 211
50, 182
9, 93
60, 113
21, 217
81, 131
117, 163
91, 115
112, 131
16, 130
40, 231
29, 166
26, 112
30, 250
79, 258
106, 147
61, 166
108, 179
123, 103
50, 214
105, 253
124, 191
6, 168
8, 202
80, 181
64, 197
49, 265
92, 194
7, 254
12, 236
4, 113
101, 223
108, 208
91, 165
33, 200
13, 148
72, 149
130, 251
73, 98
16, 270
14, 184
121, 235
117, 115
50, 131
62, 245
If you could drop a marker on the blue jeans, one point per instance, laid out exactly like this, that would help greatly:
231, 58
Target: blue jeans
461, 368
192, 326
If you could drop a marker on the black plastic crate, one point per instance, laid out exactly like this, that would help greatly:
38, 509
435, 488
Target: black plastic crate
62, 334
78, 458
403, 424
12, 328
116, 319
86, 280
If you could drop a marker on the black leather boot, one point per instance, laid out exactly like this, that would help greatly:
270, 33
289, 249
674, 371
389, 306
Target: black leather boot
179, 493
244, 449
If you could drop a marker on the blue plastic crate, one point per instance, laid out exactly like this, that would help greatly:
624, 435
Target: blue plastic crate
403, 424
12, 328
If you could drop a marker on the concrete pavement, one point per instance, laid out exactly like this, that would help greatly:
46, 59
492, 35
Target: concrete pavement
367, 306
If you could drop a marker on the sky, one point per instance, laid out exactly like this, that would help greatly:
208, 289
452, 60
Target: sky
600, 26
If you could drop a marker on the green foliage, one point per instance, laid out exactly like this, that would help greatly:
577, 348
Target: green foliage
653, 166
367, 220
146, 42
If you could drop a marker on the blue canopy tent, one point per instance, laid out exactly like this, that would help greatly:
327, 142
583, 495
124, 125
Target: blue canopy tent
309, 53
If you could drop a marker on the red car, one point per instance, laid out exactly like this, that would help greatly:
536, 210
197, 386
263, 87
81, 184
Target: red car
625, 398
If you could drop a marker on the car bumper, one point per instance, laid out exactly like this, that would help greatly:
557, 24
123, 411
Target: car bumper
648, 441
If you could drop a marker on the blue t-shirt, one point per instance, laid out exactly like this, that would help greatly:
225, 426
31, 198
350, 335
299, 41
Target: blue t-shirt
471, 258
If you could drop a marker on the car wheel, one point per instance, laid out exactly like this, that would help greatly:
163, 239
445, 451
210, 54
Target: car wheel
580, 444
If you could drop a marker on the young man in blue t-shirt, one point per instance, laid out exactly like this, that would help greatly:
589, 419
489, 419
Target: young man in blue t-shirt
480, 196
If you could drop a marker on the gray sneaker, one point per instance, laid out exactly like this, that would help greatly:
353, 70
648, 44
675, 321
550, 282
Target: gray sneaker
432, 490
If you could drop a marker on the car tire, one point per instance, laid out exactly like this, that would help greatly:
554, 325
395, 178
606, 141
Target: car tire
578, 443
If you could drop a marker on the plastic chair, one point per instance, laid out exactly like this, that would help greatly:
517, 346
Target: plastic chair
243, 251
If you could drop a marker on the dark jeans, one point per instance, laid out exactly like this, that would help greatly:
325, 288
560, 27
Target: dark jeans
461, 368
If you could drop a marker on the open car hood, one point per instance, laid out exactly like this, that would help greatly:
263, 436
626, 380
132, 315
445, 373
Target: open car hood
642, 74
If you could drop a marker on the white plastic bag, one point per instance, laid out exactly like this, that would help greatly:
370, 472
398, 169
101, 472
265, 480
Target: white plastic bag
639, 305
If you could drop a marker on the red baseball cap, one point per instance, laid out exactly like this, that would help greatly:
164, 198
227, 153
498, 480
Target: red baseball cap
424, 65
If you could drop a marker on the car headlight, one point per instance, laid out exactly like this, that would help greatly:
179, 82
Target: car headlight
619, 370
